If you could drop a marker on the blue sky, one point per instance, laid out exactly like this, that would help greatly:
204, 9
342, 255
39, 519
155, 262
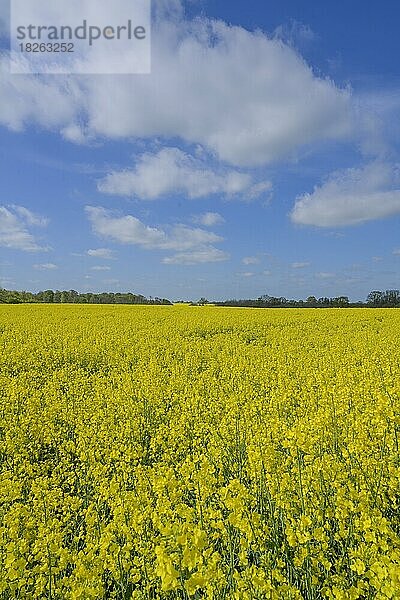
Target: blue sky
260, 156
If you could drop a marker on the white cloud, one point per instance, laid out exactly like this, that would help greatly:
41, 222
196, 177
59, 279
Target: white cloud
295, 33
378, 123
300, 265
29, 217
101, 268
171, 171
325, 275
350, 197
395, 252
248, 98
105, 56
260, 188
168, 10
207, 255
267, 273
14, 228
128, 229
208, 219
51, 103
45, 267
104, 253
247, 274
250, 260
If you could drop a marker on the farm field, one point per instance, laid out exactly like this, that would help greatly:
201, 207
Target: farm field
199, 452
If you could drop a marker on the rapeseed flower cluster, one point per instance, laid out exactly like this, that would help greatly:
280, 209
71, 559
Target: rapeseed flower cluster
199, 452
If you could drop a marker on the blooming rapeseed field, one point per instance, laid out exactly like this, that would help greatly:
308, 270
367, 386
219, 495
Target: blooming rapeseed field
184, 452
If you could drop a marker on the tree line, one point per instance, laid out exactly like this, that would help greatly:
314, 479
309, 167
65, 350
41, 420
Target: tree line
387, 299
378, 299
73, 297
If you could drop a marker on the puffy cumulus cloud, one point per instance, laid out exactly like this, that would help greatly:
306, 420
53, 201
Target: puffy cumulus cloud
208, 219
351, 196
171, 171
223, 87
128, 229
14, 228
249, 98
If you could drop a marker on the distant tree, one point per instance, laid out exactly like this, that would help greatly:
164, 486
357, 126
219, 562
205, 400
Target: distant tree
341, 301
73, 296
375, 298
48, 296
324, 301
265, 299
392, 298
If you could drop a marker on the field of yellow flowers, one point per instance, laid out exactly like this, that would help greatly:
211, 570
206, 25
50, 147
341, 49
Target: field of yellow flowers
199, 452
